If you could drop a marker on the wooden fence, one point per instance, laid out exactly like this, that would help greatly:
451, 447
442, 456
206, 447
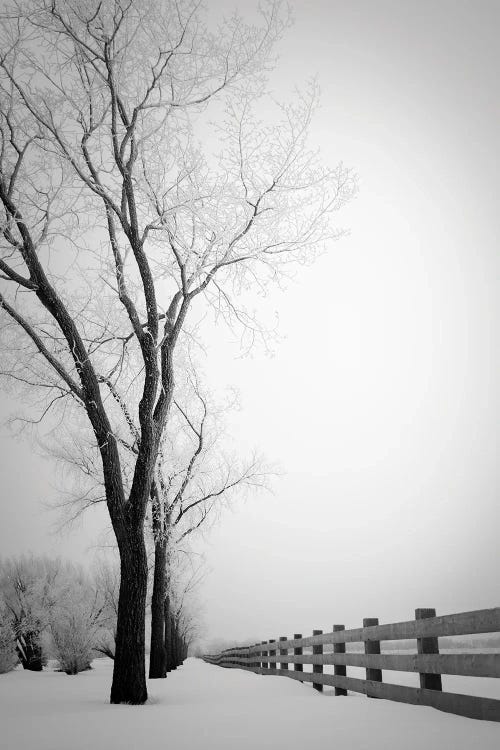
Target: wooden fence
286, 658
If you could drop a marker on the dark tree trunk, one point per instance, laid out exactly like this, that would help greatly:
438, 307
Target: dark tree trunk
29, 651
173, 638
158, 654
129, 673
168, 634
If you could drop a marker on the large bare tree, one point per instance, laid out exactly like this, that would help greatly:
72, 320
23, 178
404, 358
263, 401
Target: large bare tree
195, 477
122, 205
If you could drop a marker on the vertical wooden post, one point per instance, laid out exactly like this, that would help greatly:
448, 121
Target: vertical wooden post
298, 652
272, 665
283, 652
318, 668
339, 669
264, 654
372, 647
428, 646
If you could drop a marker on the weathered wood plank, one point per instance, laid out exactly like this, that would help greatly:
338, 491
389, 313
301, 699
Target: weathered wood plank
469, 665
464, 623
429, 663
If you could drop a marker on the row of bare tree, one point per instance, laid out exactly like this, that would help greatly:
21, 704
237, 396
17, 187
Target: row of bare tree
55, 609
197, 477
146, 177
50, 608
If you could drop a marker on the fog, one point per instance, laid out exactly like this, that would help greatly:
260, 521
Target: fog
378, 399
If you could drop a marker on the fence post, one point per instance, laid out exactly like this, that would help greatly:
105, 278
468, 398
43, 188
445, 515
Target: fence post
428, 646
298, 652
256, 655
283, 652
318, 668
372, 647
272, 665
264, 653
339, 669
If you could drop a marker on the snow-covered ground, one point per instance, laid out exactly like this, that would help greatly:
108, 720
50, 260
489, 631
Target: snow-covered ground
204, 707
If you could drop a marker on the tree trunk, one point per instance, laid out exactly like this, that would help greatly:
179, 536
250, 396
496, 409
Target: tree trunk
158, 655
129, 673
168, 634
29, 651
173, 638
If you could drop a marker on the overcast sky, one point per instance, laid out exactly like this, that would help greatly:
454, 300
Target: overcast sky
380, 402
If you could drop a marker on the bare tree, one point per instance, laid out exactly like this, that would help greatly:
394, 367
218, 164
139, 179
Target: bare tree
194, 477
182, 609
115, 221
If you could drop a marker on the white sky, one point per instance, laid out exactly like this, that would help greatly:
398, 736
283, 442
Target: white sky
381, 401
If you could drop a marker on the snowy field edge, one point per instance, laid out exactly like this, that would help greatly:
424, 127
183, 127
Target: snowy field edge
203, 706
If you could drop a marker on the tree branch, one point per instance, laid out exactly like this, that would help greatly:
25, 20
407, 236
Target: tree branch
54, 363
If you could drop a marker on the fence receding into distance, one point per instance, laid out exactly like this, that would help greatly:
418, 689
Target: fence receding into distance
286, 657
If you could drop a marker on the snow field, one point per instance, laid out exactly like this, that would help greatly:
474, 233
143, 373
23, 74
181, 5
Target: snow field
204, 707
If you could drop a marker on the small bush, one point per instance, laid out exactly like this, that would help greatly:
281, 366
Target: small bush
55, 609
8, 656
73, 644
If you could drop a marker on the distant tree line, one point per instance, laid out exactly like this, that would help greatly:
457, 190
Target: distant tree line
54, 609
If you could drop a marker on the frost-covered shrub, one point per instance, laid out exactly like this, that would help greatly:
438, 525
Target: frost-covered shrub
8, 656
29, 588
106, 643
78, 624
106, 581
57, 608
73, 641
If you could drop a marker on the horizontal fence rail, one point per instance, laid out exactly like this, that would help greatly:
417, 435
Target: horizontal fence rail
285, 657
